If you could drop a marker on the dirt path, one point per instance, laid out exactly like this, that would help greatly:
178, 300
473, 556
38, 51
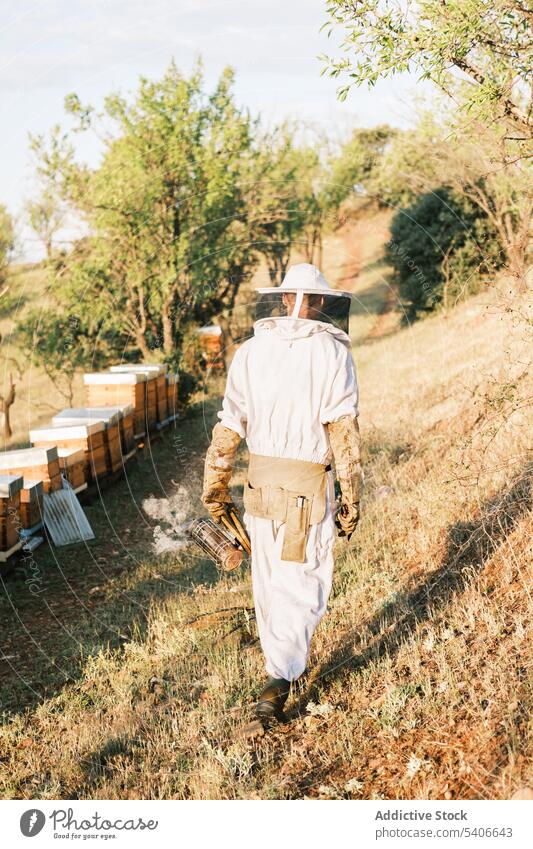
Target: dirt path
364, 273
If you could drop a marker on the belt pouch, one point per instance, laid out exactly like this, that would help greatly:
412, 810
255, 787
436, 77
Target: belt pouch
296, 528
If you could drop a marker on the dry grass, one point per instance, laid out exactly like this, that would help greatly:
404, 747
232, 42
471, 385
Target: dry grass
420, 678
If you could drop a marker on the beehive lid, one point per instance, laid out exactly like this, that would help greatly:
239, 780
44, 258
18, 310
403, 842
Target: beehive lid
122, 409
10, 485
114, 379
172, 378
28, 456
64, 518
86, 415
81, 431
71, 456
210, 330
34, 487
156, 368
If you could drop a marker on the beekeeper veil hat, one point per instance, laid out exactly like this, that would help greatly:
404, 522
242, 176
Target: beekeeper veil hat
305, 293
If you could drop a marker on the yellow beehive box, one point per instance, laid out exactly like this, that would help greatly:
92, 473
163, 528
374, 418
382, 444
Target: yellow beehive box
88, 437
38, 463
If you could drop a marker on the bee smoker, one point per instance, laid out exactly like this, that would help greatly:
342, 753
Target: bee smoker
218, 543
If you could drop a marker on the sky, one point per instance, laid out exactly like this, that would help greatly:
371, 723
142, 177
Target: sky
49, 48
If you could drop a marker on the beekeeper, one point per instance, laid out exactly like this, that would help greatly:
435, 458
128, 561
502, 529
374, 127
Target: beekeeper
292, 394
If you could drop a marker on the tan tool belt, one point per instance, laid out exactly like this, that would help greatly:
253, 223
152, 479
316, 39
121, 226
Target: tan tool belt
291, 491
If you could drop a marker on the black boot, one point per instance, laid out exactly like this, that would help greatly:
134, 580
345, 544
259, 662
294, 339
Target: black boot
272, 699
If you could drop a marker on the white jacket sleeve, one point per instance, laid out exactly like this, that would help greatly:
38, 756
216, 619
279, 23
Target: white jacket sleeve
234, 413
342, 396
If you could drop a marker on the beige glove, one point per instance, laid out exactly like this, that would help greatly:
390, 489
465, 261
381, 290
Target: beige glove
345, 444
347, 519
219, 462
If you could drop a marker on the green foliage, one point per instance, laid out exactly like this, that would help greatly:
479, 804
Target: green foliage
281, 196
165, 210
7, 241
357, 163
45, 217
487, 41
59, 344
188, 195
405, 166
480, 163
187, 385
440, 248
11, 302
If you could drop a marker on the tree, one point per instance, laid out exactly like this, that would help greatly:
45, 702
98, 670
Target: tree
46, 218
7, 241
168, 238
396, 178
440, 248
59, 344
479, 164
352, 170
487, 42
313, 201
8, 396
7, 399
279, 196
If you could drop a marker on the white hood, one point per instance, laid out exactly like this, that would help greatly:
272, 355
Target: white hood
298, 328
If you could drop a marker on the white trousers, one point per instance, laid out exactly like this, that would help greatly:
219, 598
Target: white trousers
290, 598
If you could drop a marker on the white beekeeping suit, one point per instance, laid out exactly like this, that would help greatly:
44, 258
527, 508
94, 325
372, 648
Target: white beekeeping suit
285, 386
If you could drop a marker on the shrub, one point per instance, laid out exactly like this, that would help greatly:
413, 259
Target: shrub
441, 250
187, 385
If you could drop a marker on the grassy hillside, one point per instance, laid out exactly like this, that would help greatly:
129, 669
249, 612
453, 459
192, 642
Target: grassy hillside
130, 672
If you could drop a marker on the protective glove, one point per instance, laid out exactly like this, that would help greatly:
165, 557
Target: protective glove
347, 519
345, 444
218, 467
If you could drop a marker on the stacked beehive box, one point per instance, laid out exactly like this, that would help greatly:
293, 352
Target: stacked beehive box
10, 524
72, 465
172, 395
126, 422
88, 437
38, 463
31, 503
121, 389
151, 402
126, 417
156, 390
212, 341
110, 416
127, 432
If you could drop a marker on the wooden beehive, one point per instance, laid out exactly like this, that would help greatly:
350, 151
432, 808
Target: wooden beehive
123, 389
212, 340
151, 402
156, 389
89, 437
127, 432
10, 522
110, 416
72, 464
126, 421
31, 503
172, 395
38, 463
